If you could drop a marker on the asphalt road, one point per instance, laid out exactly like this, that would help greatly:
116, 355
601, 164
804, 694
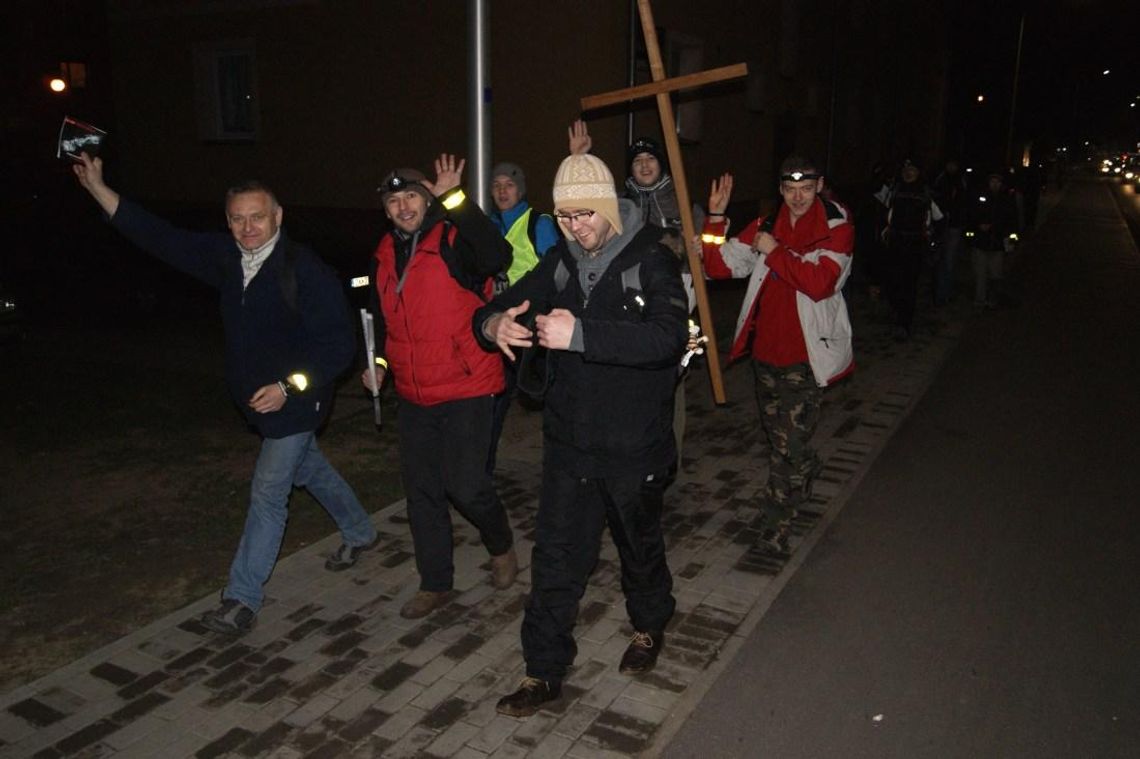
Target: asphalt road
979, 595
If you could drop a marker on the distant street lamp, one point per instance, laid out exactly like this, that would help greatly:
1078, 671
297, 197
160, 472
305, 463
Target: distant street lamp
57, 85
981, 98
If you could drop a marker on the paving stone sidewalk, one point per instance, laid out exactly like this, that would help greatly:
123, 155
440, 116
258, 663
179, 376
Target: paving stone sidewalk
333, 671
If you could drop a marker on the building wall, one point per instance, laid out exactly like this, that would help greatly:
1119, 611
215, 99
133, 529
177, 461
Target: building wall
348, 89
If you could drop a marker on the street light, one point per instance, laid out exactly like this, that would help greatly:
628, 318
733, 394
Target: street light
57, 85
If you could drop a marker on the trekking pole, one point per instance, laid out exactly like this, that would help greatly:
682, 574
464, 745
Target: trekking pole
370, 350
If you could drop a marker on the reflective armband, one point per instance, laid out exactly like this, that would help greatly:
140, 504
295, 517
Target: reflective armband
382, 363
297, 382
713, 239
453, 201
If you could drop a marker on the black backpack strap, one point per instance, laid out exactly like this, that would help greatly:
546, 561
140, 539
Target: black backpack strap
465, 279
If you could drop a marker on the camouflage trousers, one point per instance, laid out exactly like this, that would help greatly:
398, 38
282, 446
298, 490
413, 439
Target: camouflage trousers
789, 401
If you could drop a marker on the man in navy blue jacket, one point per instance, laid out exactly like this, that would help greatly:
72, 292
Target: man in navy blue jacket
287, 336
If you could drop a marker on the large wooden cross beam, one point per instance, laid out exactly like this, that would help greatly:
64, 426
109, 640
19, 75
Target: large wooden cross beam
661, 87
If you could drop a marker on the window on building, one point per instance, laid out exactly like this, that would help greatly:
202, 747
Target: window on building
74, 73
226, 92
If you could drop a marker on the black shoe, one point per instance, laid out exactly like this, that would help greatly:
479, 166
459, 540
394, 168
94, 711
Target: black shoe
641, 654
529, 698
231, 618
775, 539
346, 556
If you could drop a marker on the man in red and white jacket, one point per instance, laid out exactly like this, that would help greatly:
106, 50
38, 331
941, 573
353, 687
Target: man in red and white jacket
793, 324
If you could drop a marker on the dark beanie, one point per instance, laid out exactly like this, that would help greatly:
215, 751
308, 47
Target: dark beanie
645, 145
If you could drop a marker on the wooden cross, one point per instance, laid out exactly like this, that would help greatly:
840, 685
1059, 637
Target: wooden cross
661, 87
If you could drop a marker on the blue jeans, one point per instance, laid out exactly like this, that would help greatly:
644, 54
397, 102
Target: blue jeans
282, 464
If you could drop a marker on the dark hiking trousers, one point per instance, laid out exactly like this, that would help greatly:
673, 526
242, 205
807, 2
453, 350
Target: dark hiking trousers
443, 457
571, 515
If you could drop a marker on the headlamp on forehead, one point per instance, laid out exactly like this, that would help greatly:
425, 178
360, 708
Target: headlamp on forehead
798, 176
396, 183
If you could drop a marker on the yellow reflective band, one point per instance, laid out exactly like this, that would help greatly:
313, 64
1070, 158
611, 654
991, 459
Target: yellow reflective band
359, 282
454, 200
969, 234
714, 239
298, 382
381, 362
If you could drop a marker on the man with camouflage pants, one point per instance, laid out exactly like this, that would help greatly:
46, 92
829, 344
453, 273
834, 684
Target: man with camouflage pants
793, 323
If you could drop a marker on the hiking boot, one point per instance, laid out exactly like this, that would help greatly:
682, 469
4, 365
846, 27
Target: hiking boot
504, 568
775, 539
529, 698
231, 618
424, 602
641, 654
346, 556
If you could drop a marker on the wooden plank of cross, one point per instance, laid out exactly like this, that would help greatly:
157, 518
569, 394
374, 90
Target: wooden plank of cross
661, 86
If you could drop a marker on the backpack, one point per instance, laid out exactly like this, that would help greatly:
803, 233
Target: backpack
910, 212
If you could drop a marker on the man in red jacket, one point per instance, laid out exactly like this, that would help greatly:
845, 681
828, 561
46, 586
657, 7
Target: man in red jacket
793, 324
432, 271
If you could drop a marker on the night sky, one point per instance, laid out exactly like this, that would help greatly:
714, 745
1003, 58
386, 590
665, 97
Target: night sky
1063, 97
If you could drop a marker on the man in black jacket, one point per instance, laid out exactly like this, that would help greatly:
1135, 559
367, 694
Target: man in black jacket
992, 229
608, 306
288, 337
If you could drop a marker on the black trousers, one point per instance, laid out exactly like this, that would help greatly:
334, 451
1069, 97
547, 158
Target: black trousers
904, 260
572, 512
443, 458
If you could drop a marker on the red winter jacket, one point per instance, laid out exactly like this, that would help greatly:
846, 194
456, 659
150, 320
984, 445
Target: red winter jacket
430, 348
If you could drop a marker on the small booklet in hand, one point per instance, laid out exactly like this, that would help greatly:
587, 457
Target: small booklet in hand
76, 137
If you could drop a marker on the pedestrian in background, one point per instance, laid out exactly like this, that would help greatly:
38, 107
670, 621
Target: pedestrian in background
952, 197
993, 221
911, 214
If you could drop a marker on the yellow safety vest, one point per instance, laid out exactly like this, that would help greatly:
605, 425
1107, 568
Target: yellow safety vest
525, 257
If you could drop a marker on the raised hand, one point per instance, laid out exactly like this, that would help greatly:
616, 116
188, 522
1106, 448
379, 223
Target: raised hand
448, 174
89, 172
720, 193
580, 141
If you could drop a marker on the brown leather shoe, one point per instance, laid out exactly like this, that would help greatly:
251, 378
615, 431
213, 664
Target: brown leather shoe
641, 654
424, 602
529, 698
504, 568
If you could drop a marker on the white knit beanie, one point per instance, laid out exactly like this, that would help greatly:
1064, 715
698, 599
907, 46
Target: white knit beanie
583, 181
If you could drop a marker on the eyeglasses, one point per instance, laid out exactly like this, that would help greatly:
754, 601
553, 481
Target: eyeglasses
577, 216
